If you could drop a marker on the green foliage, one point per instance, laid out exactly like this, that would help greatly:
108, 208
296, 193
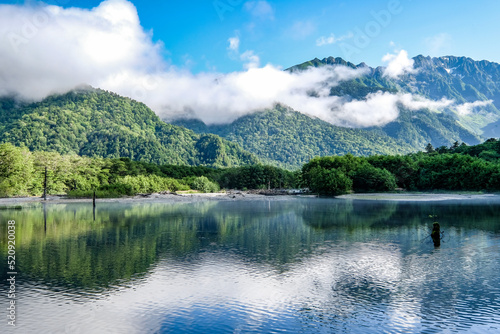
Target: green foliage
403, 168
372, 179
119, 188
67, 172
418, 171
179, 172
113, 191
346, 164
456, 172
202, 183
489, 155
331, 175
256, 177
16, 171
23, 173
329, 181
489, 150
211, 150
142, 184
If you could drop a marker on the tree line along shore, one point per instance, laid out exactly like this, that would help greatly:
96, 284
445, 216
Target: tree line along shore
455, 168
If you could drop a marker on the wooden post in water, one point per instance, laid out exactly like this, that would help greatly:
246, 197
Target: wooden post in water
436, 234
93, 205
45, 185
45, 218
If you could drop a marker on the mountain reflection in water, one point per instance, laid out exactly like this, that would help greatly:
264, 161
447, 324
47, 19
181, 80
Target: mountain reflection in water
297, 265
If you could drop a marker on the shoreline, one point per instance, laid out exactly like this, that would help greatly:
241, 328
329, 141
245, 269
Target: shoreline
252, 195
154, 197
421, 197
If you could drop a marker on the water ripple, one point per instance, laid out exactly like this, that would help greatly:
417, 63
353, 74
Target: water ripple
264, 272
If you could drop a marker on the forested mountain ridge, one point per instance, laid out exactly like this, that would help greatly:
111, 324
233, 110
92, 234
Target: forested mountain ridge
288, 138
470, 83
96, 123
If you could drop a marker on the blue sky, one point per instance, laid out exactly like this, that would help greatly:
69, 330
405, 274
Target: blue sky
284, 33
217, 60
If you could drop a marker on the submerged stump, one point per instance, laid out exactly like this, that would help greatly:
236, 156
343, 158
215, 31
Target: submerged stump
436, 234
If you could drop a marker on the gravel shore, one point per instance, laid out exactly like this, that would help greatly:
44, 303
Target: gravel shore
235, 195
421, 197
155, 197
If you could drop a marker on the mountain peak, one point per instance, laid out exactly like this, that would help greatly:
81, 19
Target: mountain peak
325, 61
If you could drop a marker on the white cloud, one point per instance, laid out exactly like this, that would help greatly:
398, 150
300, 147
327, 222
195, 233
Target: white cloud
260, 9
399, 64
378, 109
48, 49
221, 98
332, 39
438, 44
467, 108
416, 102
234, 44
301, 29
251, 59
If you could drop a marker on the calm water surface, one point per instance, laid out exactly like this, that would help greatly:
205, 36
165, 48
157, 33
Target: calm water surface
262, 266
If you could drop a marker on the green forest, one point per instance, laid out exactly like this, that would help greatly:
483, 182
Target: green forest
454, 168
22, 173
96, 123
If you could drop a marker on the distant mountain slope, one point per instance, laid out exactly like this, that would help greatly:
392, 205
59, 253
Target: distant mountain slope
94, 122
461, 79
419, 129
290, 138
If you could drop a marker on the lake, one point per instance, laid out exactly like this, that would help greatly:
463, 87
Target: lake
296, 265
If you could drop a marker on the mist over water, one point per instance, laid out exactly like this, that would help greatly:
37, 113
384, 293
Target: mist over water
297, 265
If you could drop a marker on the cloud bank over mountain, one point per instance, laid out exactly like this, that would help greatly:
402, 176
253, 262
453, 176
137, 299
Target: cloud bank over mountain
47, 49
